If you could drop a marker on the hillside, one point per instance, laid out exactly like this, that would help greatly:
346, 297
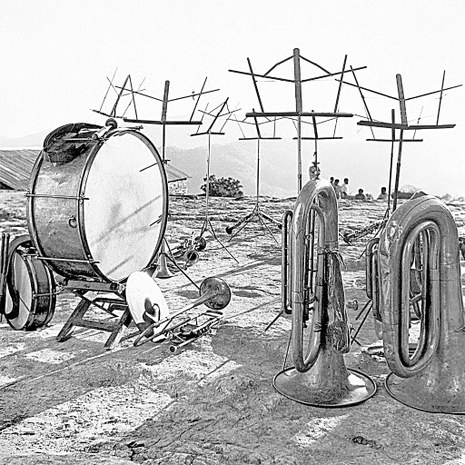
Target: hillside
366, 165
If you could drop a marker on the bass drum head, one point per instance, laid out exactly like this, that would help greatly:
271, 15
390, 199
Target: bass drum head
143, 294
30, 290
126, 211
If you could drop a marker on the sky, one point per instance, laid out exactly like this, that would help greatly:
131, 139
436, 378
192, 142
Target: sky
56, 56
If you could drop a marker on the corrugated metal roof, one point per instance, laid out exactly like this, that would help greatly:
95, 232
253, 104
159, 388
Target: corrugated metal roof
16, 166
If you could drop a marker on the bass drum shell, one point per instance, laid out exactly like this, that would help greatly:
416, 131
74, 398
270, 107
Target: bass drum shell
30, 288
101, 213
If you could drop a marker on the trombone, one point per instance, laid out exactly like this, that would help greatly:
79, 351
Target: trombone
214, 293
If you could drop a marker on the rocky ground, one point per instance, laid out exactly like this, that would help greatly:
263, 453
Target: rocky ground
213, 402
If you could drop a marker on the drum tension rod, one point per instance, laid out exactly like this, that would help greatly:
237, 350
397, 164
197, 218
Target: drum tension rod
52, 196
44, 294
74, 260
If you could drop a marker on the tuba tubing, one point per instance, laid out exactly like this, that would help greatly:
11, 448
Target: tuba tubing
286, 278
372, 282
313, 290
329, 320
444, 314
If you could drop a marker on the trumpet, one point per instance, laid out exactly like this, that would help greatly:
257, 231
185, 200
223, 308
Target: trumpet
214, 293
312, 291
188, 250
185, 338
418, 256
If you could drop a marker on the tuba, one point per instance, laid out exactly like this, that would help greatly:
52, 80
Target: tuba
420, 248
312, 291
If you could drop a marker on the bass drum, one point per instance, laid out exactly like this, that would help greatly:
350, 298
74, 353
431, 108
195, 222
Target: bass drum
30, 288
97, 205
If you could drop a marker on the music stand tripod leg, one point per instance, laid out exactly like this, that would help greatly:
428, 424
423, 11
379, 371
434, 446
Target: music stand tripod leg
241, 223
366, 309
260, 218
219, 242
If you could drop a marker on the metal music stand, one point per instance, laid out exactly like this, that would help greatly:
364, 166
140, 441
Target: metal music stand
162, 269
207, 225
402, 126
257, 211
298, 113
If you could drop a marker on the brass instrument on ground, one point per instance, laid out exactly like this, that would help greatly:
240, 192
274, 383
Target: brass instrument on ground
312, 291
349, 236
188, 250
181, 329
420, 247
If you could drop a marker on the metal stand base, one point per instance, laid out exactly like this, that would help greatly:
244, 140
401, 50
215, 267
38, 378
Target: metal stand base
207, 226
300, 387
261, 216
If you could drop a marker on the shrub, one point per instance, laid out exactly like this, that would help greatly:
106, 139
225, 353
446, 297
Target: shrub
223, 187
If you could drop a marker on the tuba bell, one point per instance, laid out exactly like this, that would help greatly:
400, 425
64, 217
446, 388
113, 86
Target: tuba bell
420, 247
312, 291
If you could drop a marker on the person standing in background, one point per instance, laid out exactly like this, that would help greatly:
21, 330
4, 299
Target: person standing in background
344, 190
337, 188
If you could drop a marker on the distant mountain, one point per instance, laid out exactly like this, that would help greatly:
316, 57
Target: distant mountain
365, 165
239, 161
32, 140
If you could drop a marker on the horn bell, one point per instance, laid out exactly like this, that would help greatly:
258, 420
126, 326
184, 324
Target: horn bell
420, 245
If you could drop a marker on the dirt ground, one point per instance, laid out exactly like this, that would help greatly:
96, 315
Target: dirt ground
213, 402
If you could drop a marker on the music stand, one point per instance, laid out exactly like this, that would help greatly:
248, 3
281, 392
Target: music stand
257, 211
402, 126
298, 113
162, 269
207, 225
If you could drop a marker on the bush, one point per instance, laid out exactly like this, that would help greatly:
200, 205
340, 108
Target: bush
223, 187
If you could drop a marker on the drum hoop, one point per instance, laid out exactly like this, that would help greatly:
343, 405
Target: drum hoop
34, 284
82, 186
30, 208
36, 265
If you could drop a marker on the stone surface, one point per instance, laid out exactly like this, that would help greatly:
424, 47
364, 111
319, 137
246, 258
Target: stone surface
213, 402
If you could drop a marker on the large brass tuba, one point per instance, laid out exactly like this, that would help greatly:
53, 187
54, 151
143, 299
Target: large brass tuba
312, 291
420, 245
